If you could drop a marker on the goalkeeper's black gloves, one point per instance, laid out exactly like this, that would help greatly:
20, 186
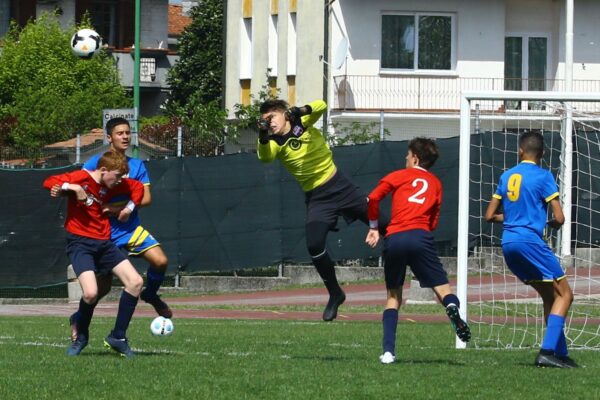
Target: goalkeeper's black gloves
263, 131
295, 113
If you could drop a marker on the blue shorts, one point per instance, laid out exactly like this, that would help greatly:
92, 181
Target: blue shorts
415, 248
532, 262
87, 254
136, 242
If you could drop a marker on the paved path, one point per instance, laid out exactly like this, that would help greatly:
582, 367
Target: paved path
484, 288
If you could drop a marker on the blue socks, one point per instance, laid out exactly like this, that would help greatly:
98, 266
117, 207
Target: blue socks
554, 331
390, 322
127, 305
153, 281
561, 346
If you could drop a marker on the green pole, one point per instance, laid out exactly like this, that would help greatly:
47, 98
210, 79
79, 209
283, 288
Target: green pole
136, 77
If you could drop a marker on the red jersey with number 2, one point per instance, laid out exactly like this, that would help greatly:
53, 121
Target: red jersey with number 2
416, 199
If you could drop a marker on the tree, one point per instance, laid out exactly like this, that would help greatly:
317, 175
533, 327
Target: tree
48, 94
196, 81
198, 72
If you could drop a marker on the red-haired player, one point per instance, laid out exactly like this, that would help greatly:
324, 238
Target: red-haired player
89, 247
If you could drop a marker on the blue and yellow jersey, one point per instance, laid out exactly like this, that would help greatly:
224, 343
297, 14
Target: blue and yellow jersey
137, 171
525, 191
303, 151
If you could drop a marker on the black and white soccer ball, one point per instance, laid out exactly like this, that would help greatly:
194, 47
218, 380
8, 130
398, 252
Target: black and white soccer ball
161, 326
85, 43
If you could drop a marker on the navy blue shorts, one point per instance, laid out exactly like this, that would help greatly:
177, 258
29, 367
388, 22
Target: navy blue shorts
416, 249
336, 197
87, 254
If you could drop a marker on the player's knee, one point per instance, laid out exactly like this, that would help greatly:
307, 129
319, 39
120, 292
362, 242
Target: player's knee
316, 238
90, 296
135, 284
160, 264
315, 246
316, 250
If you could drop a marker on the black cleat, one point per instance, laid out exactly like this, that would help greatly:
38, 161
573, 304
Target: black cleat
155, 301
549, 361
331, 309
568, 361
77, 345
121, 346
460, 327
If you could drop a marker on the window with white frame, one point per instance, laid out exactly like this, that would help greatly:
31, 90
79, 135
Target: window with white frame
417, 41
147, 69
273, 43
291, 44
246, 48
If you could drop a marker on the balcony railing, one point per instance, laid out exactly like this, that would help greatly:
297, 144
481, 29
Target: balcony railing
435, 94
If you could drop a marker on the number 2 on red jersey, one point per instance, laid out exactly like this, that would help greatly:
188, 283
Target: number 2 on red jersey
421, 185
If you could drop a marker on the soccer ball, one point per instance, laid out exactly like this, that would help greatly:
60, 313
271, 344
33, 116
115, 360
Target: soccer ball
161, 326
85, 43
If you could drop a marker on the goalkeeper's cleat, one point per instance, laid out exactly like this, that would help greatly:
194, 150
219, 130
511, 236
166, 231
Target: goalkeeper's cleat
330, 312
121, 346
77, 345
549, 361
568, 361
458, 324
387, 358
73, 320
155, 301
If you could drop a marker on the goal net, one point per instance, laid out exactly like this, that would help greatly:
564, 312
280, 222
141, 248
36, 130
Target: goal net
502, 311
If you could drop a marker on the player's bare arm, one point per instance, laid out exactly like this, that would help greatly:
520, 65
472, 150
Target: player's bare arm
491, 214
559, 217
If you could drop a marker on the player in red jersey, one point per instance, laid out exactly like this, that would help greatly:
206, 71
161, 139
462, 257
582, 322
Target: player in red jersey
416, 202
89, 247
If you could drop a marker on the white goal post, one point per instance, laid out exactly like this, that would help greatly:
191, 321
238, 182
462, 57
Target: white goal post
553, 113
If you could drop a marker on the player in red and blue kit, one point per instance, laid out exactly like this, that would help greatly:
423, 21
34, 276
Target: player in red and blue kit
131, 236
524, 192
88, 242
416, 202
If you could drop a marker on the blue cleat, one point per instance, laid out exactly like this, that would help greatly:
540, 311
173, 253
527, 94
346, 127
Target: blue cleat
121, 346
77, 345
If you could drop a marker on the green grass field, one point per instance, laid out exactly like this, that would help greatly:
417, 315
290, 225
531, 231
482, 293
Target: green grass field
246, 359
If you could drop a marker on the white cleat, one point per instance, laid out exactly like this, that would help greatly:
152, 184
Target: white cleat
387, 358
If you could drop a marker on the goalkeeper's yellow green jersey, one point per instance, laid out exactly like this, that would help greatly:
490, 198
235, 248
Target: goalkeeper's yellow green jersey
303, 151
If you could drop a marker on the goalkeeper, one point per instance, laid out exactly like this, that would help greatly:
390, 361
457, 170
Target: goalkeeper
524, 193
289, 135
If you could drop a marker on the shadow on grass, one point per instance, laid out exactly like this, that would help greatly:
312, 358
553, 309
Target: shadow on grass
431, 362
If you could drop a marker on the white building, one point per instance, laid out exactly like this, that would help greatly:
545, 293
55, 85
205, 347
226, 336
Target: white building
412, 58
283, 39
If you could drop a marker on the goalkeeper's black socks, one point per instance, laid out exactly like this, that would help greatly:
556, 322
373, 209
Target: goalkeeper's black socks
326, 269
